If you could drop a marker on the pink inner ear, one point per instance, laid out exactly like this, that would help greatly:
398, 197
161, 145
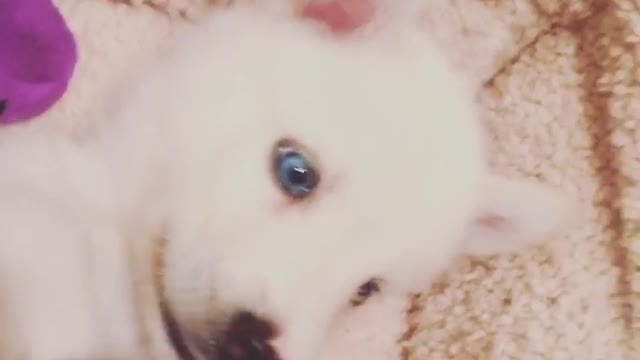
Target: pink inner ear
342, 16
494, 222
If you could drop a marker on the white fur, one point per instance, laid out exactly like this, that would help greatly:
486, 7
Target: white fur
185, 155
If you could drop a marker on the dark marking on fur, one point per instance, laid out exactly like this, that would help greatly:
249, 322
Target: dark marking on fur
172, 328
174, 334
365, 291
3, 106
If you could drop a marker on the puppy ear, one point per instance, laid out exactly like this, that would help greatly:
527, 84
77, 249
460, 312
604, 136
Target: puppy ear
516, 214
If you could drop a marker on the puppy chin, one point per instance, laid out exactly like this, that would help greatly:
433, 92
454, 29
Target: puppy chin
193, 337
287, 351
188, 331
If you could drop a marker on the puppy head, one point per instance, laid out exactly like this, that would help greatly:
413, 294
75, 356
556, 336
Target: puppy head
303, 166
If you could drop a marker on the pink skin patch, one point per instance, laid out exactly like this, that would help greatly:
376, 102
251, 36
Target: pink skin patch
341, 16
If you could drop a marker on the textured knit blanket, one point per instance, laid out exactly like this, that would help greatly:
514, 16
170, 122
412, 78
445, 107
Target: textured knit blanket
559, 81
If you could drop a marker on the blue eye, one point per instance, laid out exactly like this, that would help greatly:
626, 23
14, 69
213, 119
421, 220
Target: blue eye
294, 172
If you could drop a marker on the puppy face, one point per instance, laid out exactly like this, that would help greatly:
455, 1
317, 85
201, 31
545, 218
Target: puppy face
303, 166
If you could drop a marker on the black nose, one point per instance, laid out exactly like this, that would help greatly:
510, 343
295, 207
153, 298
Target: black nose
247, 338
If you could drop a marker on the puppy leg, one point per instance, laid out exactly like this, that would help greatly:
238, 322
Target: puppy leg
51, 305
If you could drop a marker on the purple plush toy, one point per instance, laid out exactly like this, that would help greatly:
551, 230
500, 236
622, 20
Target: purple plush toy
37, 57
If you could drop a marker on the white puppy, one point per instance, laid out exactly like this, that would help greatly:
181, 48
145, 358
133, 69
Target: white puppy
245, 191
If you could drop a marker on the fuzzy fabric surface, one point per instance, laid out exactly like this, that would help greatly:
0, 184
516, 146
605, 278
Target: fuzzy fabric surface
559, 81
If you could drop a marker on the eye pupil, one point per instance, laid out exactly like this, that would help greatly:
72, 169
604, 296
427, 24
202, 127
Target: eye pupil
298, 176
294, 172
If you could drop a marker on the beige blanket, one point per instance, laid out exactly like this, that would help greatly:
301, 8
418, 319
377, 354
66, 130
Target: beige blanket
560, 85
